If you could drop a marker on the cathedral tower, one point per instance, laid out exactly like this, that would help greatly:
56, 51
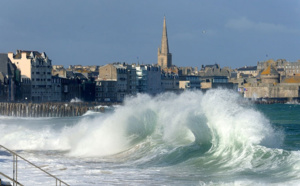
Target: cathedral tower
164, 57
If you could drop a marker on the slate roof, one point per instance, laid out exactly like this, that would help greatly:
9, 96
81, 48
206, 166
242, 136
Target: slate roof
18, 55
250, 68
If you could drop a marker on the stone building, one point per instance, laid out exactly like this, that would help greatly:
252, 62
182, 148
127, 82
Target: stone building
71, 88
249, 71
184, 71
170, 82
57, 88
148, 79
214, 70
9, 80
190, 82
59, 70
213, 76
90, 72
119, 80
284, 67
269, 85
112, 73
35, 67
270, 75
131, 79
106, 91
164, 57
88, 90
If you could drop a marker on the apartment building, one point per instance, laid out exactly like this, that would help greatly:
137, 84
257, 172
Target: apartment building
112, 83
9, 80
170, 82
35, 68
148, 79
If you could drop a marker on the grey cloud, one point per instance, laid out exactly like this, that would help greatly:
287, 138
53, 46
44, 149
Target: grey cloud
243, 23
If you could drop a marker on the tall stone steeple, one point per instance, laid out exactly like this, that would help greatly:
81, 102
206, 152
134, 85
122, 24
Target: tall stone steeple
164, 57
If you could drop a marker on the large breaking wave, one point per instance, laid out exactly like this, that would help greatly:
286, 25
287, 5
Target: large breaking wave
217, 132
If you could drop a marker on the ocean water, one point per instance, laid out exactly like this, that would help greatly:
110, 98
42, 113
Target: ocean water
216, 138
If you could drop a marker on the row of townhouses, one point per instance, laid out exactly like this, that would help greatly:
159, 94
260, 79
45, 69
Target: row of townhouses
30, 76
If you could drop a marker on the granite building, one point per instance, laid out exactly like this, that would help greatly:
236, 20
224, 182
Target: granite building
9, 80
36, 68
112, 83
284, 67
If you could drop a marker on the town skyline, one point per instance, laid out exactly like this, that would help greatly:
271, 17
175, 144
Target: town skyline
233, 34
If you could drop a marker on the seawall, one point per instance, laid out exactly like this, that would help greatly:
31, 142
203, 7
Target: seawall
275, 100
47, 109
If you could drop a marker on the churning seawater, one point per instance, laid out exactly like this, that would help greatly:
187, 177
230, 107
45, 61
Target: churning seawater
215, 138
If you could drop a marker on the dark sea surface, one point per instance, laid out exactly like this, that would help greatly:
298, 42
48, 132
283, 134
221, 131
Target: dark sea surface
287, 118
216, 138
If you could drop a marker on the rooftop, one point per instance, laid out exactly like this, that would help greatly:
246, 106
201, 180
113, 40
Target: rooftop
246, 68
294, 79
29, 54
270, 70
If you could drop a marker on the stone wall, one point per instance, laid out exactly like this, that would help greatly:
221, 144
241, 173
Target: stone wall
47, 109
108, 72
272, 91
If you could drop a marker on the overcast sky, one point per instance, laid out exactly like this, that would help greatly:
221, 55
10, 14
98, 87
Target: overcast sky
231, 33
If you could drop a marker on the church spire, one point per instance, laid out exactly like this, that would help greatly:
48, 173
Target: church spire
164, 39
164, 57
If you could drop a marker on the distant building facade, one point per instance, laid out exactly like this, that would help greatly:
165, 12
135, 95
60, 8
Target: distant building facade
35, 67
184, 71
213, 76
116, 81
250, 71
170, 82
284, 67
112, 83
59, 70
9, 80
106, 91
268, 85
131, 79
57, 88
148, 79
190, 82
71, 88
